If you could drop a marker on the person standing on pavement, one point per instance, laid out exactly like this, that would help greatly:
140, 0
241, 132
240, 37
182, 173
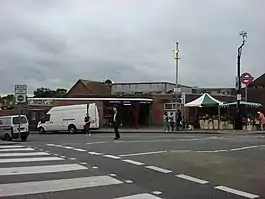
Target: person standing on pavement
116, 121
166, 122
179, 119
262, 120
172, 121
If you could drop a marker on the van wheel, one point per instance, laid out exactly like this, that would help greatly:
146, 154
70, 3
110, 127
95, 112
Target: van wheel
7, 137
72, 129
41, 130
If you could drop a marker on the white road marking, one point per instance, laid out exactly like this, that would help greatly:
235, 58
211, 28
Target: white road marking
17, 149
25, 188
190, 178
158, 169
94, 167
82, 150
62, 156
40, 169
97, 143
113, 174
10, 146
244, 148
94, 153
112, 156
157, 192
221, 150
140, 196
23, 154
29, 159
179, 151
128, 181
205, 151
133, 162
147, 153
51, 145
237, 192
67, 147
55, 154
83, 163
72, 158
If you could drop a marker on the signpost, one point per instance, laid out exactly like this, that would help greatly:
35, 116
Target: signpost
20, 98
246, 78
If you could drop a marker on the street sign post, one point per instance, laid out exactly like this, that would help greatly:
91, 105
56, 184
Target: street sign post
246, 78
20, 98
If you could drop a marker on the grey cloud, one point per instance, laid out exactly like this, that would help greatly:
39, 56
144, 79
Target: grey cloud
54, 43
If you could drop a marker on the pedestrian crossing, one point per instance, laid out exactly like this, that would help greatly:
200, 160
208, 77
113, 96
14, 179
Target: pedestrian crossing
25, 171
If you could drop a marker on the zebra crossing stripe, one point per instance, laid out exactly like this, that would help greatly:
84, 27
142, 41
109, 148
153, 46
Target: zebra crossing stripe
40, 169
10, 146
140, 196
12, 160
24, 188
17, 149
23, 154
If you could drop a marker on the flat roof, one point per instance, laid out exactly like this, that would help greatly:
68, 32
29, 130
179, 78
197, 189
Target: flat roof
94, 99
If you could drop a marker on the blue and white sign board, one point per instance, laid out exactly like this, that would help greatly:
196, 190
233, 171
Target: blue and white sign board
21, 93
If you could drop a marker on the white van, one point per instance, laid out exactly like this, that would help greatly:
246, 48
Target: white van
9, 127
69, 118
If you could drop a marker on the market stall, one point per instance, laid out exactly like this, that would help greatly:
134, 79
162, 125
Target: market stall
206, 121
249, 110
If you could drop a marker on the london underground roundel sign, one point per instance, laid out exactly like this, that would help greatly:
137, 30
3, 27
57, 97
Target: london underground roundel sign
246, 78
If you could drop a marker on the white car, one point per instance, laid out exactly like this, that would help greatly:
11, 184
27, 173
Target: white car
9, 127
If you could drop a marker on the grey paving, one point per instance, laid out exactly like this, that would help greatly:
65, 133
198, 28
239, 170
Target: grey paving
207, 161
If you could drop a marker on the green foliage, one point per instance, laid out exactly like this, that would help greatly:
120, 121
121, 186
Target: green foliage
46, 93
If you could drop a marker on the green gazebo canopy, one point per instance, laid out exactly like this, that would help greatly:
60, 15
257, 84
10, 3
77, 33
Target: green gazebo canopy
204, 101
249, 104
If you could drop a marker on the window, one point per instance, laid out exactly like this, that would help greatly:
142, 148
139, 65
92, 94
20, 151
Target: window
23, 120
33, 115
47, 117
1, 122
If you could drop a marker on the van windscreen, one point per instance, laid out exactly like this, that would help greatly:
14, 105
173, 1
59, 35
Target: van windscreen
22, 119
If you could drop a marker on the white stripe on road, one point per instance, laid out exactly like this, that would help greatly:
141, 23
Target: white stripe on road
67, 147
140, 196
243, 148
190, 178
237, 192
23, 154
158, 169
81, 150
40, 169
96, 143
10, 146
25, 188
94, 153
112, 156
133, 162
17, 149
147, 153
29, 159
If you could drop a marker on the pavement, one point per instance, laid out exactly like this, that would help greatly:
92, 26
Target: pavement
138, 166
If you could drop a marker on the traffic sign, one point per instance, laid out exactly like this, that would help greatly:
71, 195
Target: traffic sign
246, 78
21, 93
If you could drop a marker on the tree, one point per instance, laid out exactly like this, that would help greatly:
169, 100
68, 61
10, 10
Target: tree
46, 93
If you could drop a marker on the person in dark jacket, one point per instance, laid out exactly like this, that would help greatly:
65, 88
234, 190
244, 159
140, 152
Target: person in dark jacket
116, 121
179, 119
87, 125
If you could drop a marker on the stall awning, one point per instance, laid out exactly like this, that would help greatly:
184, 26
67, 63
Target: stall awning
204, 101
249, 104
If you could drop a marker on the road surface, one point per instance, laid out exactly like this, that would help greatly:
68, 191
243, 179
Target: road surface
138, 166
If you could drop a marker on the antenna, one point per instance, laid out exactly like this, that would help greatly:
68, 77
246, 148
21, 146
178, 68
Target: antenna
244, 35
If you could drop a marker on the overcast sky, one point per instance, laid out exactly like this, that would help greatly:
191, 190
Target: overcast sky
52, 43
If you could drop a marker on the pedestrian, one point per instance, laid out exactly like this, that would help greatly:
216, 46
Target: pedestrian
116, 122
172, 121
87, 125
179, 119
262, 120
166, 122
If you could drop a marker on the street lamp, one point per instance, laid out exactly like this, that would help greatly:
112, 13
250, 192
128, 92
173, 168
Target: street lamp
238, 120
